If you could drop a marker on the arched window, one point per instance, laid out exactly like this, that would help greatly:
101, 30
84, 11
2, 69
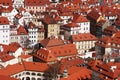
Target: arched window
23, 78
38, 74
33, 79
38, 79
33, 74
27, 78
27, 73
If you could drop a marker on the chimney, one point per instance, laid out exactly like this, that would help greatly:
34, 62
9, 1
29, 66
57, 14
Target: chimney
1, 49
113, 67
19, 60
65, 73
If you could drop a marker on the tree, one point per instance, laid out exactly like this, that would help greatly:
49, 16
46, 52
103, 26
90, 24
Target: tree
52, 72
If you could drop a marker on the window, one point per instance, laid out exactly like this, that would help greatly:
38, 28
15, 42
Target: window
27, 73
33, 79
38, 74
33, 74
23, 78
27, 78
38, 79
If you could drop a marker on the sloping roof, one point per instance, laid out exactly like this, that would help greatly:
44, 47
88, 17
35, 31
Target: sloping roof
51, 42
70, 25
110, 30
49, 20
63, 50
4, 77
19, 67
104, 42
45, 55
4, 20
6, 10
79, 19
52, 53
6, 2
5, 57
21, 31
83, 37
94, 15
36, 2
76, 73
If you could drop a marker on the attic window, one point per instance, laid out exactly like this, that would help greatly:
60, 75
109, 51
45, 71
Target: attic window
75, 37
50, 56
70, 51
65, 51
59, 52
54, 52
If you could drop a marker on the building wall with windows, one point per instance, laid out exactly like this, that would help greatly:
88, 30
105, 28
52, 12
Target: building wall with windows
33, 35
5, 34
84, 27
29, 75
53, 30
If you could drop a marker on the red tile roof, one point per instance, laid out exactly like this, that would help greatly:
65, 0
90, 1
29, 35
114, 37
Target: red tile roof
4, 21
21, 9
25, 56
76, 73
52, 41
49, 20
4, 77
63, 50
69, 62
5, 57
52, 53
79, 19
70, 25
6, 10
6, 2
21, 31
18, 16
24, 66
104, 41
31, 25
45, 55
83, 37
110, 30
93, 14
36, 2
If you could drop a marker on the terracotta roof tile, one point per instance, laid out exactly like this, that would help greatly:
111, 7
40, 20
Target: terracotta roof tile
63, 50
76, 73
23, 66
6, 2
71, 25
52, 53
93, 14
83, 37
51, 42
3, 77
5, 57
21, 31
7, 10
36, 2
79, 19
4, 20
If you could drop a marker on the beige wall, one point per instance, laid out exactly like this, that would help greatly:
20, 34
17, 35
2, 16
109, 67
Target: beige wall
53, 29
41, 36
84, 45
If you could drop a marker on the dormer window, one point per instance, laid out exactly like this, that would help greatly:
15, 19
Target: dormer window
109, 44
113, 44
